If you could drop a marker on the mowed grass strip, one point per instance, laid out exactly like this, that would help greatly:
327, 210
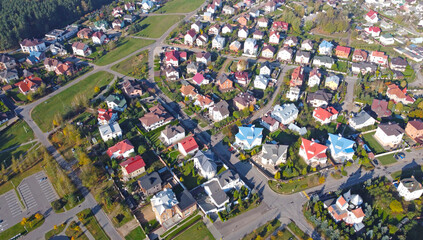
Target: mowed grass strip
156, 26
44, 113
373, 144
124, 48
387, 159
181, 6
130, 66
198, 231
136, 234
90, 222
16, 134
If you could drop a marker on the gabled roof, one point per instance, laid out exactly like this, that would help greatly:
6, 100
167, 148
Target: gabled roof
361, 53
172, 56
326, 44
361, 118
117, 99
391, 129
150, 180
31, 42
324, 114
249, 133
417, 124
121, 147
163, 200
312, 148
244, 98
198, 78
345, 50
206, 161
273, 151
189, 144
340, 144
372, 14
155, 114
105, 115
358, 213
191, 33
204, 100
319, 95
29, 83
171, 131
380, 107
222, 107
133, 164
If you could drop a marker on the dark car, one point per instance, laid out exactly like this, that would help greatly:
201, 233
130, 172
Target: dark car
375, 162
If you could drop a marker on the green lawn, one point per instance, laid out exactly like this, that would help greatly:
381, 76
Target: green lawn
90, 222
54, 232
7, 155
387, 159
44, 113
297, 231
294, 185
136, 234
124, 47
284, 235
133, 65
373, 143
15, 134
75, 231
198, 231
181, 6
156, 26
18, 228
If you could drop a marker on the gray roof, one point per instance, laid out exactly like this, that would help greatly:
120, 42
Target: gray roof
206, 161
227, 177
222, 107
303, 54
186, 200
150, 180
171, 131
361, 118
8, 73
319, 95
218, 195
109, 128
273, 151
411, 184
324, 59
391, 129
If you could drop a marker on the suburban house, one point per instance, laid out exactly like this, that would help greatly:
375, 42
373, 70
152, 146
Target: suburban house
325, 61
171, 73
387, 39
7, 62
320, 98
81, 49
116, 102
342, 52
248, 137
258, 35
340, 148
243, 33
219, 111
297, 77
99, 38
202, 40
188, 90
270, 6
363, 67
389, 134
273, 154
262, 22
398, 95
332, 82
224, 83
172, 134
280, 26
361, 120
274, 37
51, 64
250, 47
228, 10
235, 46
302, 57
261, 82
214, 30
205, 164
85, 33
193, 68
129, 7
307, 45
155, 118
325, 115
57, 49
268, 51
7, 76
190, 37
379, 58
188, 146
347, 208
118, 24
106, 116
204, 101
398, 64
285, 114
373, 31
132, 167
285, 54
269, 122
199, 79
117, 12
380, 108
314, 77
131, 88
150, 184
244, 100
110, 131
291, 41
325, 48
34, 45
227, 28
29, 84
312, 152
410, 189
122, 149
101, 25
172, 58
203, 57
243, 20
414, 130
242, 78
371, 17
293, 94
197, 26
66, 68
359, 55
218, 42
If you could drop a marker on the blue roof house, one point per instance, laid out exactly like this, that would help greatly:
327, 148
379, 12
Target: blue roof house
248, 137
341, 149
325, 48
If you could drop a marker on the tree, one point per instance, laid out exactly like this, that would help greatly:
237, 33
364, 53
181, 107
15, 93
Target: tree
278, 175
251, 108
55, 227
38, 216
399, 107
24, 221
322, 180
83, 158
96, 89
396, 206
15, 165
141, 149
390, 104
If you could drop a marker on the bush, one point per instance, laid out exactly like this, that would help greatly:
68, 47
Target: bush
396, 206
58, 204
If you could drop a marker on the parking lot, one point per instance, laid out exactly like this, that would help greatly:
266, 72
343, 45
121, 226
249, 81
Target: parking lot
36, 193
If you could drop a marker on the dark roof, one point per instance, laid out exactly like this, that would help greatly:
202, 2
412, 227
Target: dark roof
411, 184
417, 124
380, 107
222, 107
391, 129
186, 200
303, 53
150, 180
319, 95
399, 61
171, 131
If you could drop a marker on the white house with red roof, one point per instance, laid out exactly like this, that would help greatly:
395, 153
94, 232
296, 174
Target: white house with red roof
325, 115
190, 37
398, 95
373, 31
30, 83
378, 58
274, 37
199, 79
172, 58
188, 146
106, 116
99, 38
117, 12
312, 152
122, 149
371, 17
132, 167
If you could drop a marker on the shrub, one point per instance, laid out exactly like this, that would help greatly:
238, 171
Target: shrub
396, 206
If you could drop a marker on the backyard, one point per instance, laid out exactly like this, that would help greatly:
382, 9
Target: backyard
124, 48
44, 113
156, 26
136, 234
373, 143
133, 66
180, 6
198, 231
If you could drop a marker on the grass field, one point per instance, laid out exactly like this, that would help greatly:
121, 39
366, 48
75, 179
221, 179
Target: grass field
15, 135
90, 222
387, 159
295, 185
136, 234
373, 143
7, 155
44, 113
297, 231
198, 231
130, 66
416, 171
156, 26
284, 235
54, 232
124, 47
181, 6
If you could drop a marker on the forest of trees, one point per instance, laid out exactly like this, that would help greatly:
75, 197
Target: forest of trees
20, 19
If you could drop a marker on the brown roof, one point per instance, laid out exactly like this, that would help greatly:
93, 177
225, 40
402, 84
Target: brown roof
380, 107
244, 99
156, 114
417, 124
187, 90
391, 129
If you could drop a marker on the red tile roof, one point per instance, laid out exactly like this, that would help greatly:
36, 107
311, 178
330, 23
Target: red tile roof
358, 213
372, 14
105, 114
189, 144
324, 114
341, 200
345, 50
417, 124
172, 56
121, 147
28, 83
198, 78
133, 164
313, 149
